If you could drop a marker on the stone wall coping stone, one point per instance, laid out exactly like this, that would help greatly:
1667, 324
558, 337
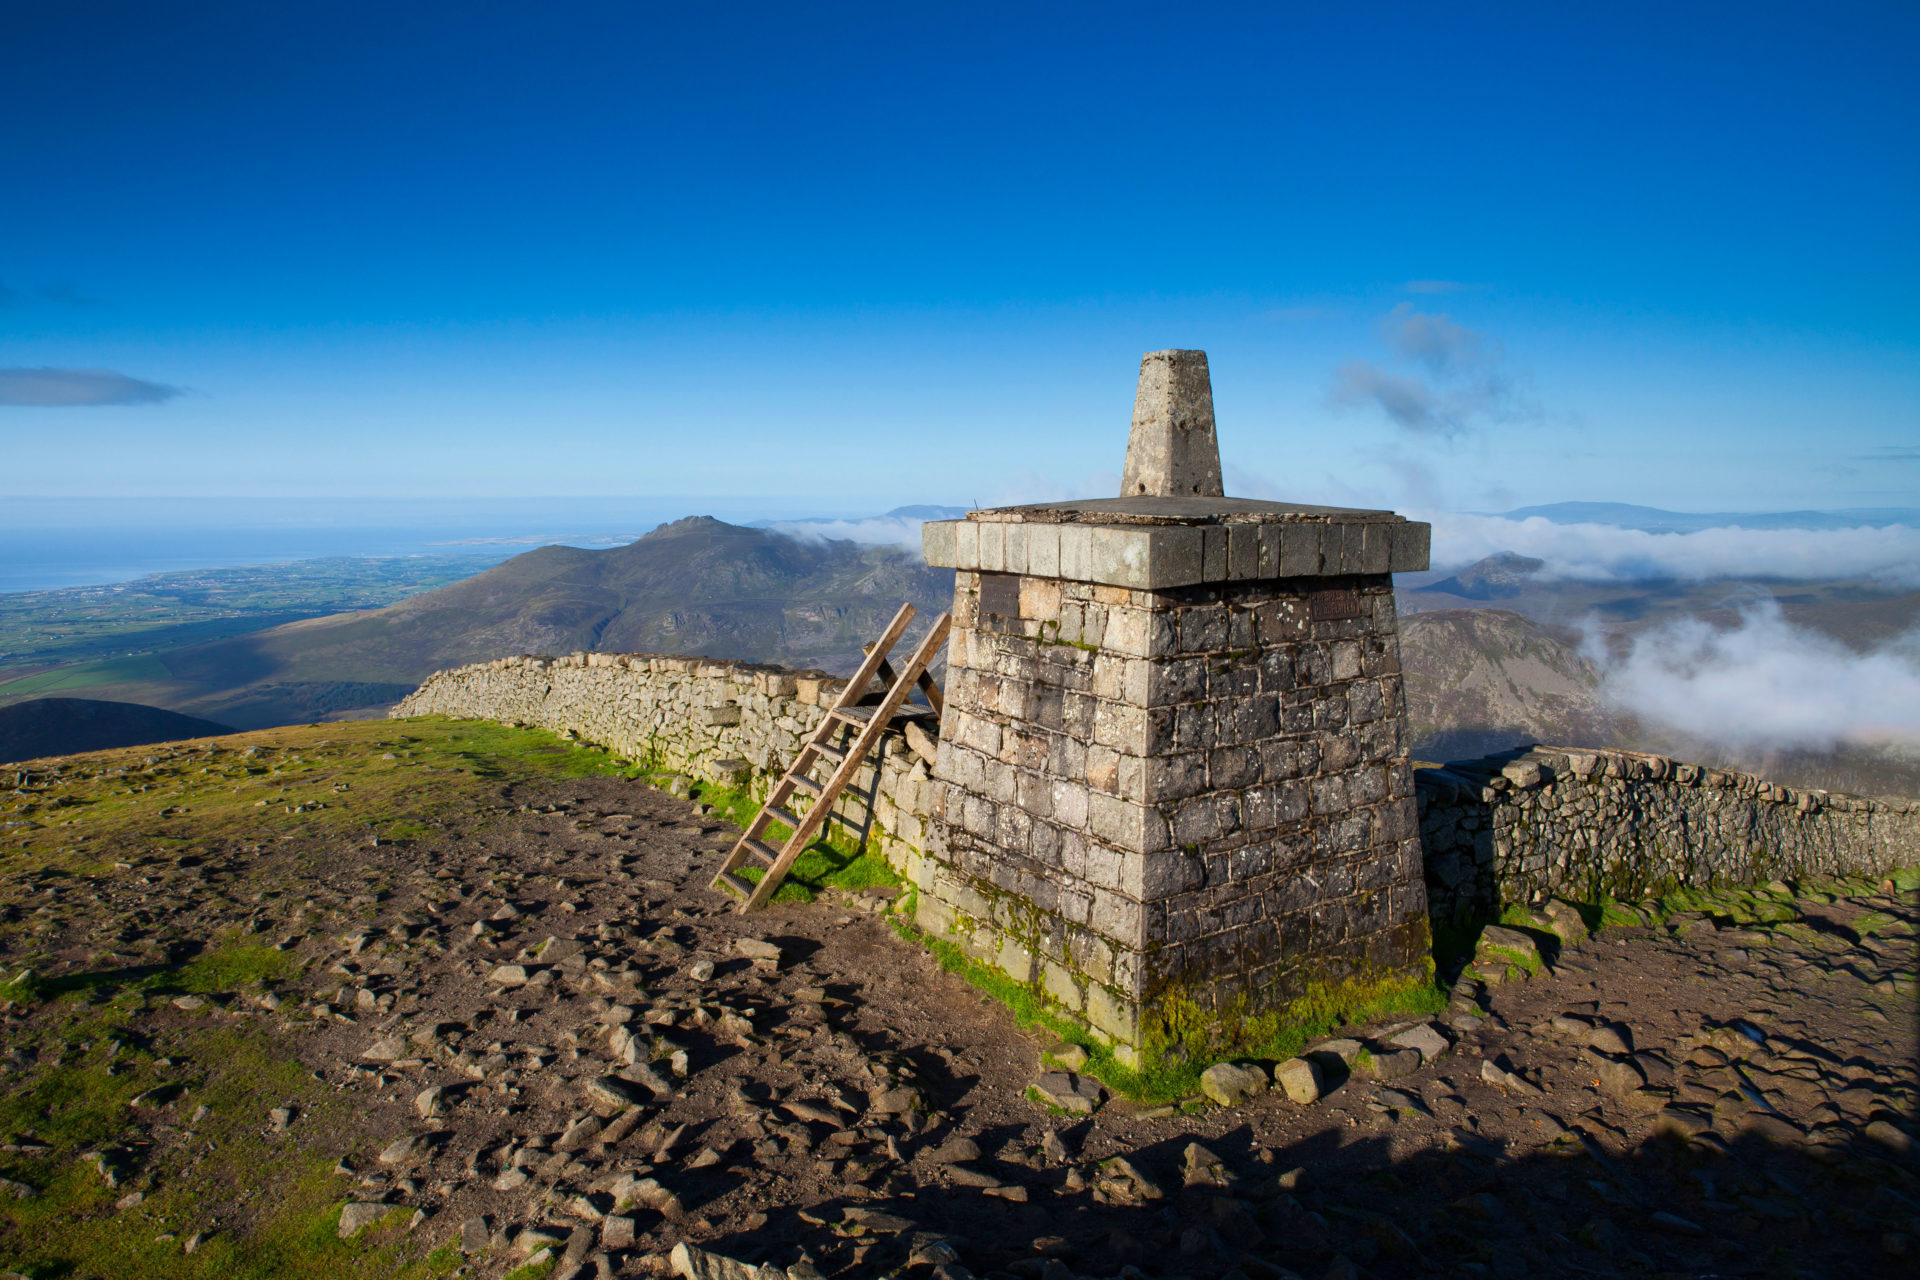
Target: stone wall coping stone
1539, 766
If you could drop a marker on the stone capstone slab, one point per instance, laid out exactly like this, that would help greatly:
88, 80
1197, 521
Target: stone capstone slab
1152, 544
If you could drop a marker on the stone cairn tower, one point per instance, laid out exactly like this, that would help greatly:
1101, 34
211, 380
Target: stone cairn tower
1172, 786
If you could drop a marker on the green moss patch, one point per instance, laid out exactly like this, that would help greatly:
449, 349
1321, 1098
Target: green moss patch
1188, 1041
112, 1094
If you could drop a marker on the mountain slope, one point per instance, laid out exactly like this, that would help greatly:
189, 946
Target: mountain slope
697, 586
1484, 680
64, 726
1500, 576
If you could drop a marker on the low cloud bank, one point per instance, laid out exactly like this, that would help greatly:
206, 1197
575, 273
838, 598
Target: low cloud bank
1568, 552
875, 531
1608, 553
1767, 684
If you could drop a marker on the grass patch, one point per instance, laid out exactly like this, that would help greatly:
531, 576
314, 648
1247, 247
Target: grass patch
234, 967
830, 862
1620, 915
88, 810
1532, 964
105, 1082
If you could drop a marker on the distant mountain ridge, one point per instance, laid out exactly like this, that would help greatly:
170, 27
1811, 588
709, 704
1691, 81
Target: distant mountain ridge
1500, 576
1484, 680
695, 586
921, 512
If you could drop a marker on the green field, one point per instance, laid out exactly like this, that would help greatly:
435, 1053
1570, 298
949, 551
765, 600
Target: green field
144, 666
81, 625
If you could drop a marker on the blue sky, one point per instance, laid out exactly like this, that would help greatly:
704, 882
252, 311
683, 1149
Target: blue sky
1459, 256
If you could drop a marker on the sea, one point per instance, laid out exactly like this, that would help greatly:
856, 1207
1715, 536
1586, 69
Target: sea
49, 543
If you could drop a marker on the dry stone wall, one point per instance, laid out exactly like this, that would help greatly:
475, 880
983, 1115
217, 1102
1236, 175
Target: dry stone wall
733, 723
1521, 827
1511, 828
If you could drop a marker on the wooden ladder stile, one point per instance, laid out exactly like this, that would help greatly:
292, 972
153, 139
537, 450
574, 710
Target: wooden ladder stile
926, 684
846, 713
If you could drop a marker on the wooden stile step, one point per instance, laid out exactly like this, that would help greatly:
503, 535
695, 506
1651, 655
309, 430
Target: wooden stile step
869, 724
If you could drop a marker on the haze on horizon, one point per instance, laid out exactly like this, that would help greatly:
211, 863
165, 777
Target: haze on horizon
1466, 260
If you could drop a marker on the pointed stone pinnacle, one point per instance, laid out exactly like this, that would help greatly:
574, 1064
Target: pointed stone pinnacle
1172, 452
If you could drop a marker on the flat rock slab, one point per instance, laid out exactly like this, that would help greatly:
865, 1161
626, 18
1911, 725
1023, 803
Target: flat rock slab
1497, 938
1424, 1040
1075, 1094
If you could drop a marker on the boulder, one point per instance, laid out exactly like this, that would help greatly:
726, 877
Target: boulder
358, 1215
763, 954
385, 1049
1067, 1056
1300, 1079
1391, 1064
956, 1150
1567, 923
1230, 1085
1498, 942
690, 1263
474, 1235
611, 1093
1610, 1038
1345, 1050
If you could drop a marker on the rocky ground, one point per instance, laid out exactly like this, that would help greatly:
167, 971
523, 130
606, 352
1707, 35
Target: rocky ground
529, 1038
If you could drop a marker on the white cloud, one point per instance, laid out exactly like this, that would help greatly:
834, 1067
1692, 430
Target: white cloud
1766, 683
874, 531
1607, 553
